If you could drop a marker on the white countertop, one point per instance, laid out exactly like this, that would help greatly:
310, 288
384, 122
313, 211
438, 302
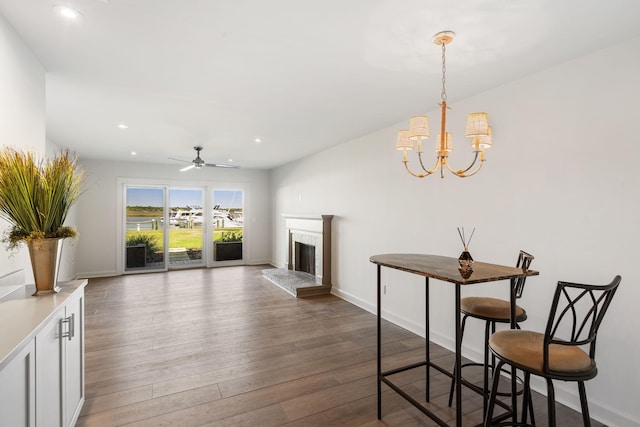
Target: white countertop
22, 315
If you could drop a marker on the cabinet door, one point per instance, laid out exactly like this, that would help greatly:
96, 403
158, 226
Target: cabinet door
17, 389
74, 359
48, 368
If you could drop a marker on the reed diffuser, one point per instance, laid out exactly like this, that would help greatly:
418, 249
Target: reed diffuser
465, 259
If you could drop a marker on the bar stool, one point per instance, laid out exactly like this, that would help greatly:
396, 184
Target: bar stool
556, 353
492, 311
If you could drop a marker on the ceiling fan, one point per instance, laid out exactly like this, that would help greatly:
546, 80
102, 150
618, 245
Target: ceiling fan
199, 163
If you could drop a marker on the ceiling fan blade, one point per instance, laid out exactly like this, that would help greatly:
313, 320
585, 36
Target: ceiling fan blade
186, 168
214, 165
180, 160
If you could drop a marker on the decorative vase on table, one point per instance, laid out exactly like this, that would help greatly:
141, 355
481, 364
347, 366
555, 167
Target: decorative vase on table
45, 262
466, 264
465, 260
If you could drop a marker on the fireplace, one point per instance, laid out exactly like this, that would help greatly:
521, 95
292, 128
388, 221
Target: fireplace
307, 269
305, 258
311, 230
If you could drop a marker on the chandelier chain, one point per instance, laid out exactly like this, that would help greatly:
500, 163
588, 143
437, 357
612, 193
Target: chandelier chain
444, 70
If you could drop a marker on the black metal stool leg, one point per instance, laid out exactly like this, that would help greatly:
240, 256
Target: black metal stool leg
551, 403
488, 416
526, 399
586, 419
533, 417
485, 380
453, 380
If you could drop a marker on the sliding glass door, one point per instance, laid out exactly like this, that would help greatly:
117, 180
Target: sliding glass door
186, 227
228, 225
144, 230
167, 227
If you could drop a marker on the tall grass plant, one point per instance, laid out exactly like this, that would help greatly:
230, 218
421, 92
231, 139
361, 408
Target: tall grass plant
36, 195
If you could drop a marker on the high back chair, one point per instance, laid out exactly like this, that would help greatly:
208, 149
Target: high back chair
492, 311
575, 316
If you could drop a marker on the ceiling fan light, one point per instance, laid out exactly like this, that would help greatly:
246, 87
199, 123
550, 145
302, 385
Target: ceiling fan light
67, 12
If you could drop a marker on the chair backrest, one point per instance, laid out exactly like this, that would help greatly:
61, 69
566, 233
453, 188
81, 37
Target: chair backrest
576, 313
524, 261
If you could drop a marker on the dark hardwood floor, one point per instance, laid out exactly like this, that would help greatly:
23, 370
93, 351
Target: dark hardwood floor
226, 347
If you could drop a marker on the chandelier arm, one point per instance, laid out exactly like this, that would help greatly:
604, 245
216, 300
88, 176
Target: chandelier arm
465, 175
428, 171
460, 172
417, 175
406, 166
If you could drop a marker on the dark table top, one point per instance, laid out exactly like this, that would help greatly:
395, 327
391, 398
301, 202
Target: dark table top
446, 268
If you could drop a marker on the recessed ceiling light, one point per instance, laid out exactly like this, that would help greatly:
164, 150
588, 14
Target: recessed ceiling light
67, 12
133, 153
257, 140
123, 126
230, 160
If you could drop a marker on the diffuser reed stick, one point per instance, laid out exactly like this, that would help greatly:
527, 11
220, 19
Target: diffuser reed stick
465, 243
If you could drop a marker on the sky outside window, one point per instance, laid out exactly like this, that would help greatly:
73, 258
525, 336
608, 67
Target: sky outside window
182, 197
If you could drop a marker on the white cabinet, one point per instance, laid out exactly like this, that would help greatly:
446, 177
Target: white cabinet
17, 389
60, 366
42, 357
73, 368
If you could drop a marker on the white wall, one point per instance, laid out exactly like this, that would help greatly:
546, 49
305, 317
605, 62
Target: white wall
22, 116
560, 182
98, 209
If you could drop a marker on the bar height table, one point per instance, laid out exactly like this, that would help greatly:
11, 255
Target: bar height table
445, 269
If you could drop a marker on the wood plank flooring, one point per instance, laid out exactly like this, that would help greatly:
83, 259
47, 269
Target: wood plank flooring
226, 347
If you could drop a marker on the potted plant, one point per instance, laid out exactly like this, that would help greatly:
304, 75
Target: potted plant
35, 198
229, 247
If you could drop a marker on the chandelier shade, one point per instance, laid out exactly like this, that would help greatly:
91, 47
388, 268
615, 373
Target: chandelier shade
403, 142
482, 142
477, 124
477, 129
419, 128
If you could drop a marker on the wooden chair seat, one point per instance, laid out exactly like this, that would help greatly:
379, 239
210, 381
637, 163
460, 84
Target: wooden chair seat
524, 349
491, 309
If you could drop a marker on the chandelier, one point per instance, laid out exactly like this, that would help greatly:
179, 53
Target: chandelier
478, 130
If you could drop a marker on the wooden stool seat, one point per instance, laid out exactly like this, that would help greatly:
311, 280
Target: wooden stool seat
525, 350
491, 309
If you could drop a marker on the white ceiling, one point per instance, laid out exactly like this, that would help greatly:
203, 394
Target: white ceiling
300, 75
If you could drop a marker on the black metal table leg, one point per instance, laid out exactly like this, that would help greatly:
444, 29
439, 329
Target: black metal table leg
514, 325
379, 345
426, 335
458, 368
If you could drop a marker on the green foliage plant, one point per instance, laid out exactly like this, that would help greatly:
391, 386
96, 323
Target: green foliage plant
231, 236
149, 241
36, 195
